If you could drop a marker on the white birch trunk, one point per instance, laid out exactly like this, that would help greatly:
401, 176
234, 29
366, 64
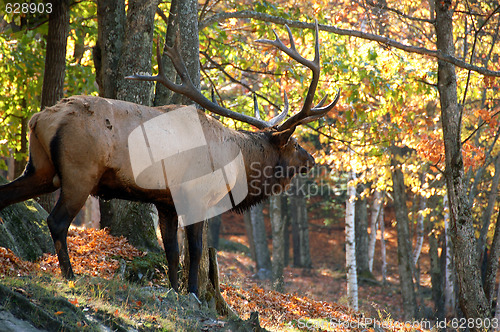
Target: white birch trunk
420, 231
382, 243
376, 206
352, 278
449, 288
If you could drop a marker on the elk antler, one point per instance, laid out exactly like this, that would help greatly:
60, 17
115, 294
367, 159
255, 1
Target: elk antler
189, 90
307, 113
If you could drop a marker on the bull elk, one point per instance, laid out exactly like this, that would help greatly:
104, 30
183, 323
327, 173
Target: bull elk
80, 146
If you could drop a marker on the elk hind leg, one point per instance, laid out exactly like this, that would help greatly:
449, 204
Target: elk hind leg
72, 198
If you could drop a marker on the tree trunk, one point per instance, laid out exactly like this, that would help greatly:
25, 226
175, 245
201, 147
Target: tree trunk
19, 165
488, 212
183, 19
285, 215
350, 231
118, 59
361, 220
55, 56
497, 312
294, 221
383, 254
491, 271
249, 231
214, 231
136, 52
300, 226
126, 217
374, 217
262, 257
404, 244
420, 230
435, 268
449, 267
278, 227
472, 297
108, 49
55, 69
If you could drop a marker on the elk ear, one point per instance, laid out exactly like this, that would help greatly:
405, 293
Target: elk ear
280, 138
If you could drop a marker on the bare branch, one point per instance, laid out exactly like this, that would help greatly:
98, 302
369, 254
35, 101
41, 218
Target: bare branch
346, 32
400, 13
234, 80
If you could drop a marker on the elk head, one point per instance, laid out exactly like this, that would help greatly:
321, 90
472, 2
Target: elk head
291, 157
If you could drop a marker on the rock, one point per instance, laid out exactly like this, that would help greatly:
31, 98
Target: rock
23, 229
9, 323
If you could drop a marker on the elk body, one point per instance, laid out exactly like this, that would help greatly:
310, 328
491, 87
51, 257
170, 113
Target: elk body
81, 146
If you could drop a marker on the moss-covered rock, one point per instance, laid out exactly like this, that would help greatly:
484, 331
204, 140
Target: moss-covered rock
146, 268
23, 229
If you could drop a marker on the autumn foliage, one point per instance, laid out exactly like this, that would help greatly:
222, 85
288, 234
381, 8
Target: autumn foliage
93, 252
97, 253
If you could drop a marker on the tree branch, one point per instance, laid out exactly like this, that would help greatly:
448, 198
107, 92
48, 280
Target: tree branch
398, 12
234, 80
346, 32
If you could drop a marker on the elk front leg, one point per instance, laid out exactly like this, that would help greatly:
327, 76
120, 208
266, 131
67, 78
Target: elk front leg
168, 222
194, 233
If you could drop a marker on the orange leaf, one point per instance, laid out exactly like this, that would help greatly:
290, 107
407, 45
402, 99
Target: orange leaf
59, 313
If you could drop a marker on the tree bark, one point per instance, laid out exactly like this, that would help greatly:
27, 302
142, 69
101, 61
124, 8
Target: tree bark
19, 165
488, 212
374, 217
472, 298
285, 215
404, 244
55, 55
449, 265
262, 257
491, 271
419, 230
115, 59
55, 69
361, 220
278, 227
435, 272
382, 244
300, 226
108, 49
249, 231
214, 231
350, 242
136, 52
183, 19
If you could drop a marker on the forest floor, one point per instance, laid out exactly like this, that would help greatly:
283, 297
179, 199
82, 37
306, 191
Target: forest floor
326, 280
34, 297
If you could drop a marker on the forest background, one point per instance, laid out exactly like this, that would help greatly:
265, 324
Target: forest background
415, 131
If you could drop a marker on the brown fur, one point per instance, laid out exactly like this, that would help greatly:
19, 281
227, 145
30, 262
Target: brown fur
81, 145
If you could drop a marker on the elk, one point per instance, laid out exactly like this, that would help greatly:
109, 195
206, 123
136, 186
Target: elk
80, 146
